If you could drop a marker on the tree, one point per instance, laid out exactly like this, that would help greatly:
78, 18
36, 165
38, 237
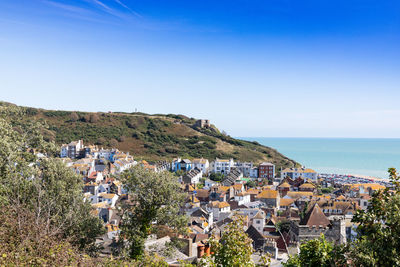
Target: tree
283, 226
216, 176
154, 199
378, 242
44, 187
327, 190
234, 248
251, 184
318, 252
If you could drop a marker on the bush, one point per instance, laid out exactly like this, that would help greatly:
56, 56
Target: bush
101, 141
215, 176
74, 117
94, 118
113, 143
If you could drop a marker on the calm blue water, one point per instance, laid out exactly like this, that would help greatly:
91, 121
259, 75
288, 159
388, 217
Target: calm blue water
370, 157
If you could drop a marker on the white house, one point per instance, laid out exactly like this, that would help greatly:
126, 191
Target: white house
201, 164
218, 207
110, 199
259, 221
96, 177
295, 173
242, 198
193, 176
209, 183
124, 164
223, 165
244, 167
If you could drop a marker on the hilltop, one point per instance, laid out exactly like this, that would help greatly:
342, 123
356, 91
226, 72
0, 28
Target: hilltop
151, 137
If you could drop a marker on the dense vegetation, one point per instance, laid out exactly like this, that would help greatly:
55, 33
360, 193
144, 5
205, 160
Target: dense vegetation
151, 137
43, 214
152, 198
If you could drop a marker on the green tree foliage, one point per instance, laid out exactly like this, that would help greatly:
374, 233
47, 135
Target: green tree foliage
251, 184
216, 176
317, 252
327, 190
154, 199
44, 187
378, 242
233, 249
283, 226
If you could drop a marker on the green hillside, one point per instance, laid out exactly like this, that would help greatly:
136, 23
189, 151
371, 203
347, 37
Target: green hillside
151, 137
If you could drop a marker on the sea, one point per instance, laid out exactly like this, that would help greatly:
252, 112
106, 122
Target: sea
348, 156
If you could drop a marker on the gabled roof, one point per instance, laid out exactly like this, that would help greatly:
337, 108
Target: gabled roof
254, 234
286, 202
185, 161
307, 185
200, 161
237, 186
202, 193
233, 175
284, 185
198, 237
253, 191
107, 196
219, 205
366, 186
291, 213
266, 164
297, 195
199, 213
268, 194
259, 215
315, 217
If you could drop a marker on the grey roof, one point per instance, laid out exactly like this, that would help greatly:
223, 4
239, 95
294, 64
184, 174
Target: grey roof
187, 178
233, 175
199, 213
254, 234
267, 164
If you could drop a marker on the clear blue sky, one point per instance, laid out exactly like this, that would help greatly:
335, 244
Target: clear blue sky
255, 68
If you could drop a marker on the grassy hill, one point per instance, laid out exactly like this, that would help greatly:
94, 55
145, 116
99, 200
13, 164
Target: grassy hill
151, 137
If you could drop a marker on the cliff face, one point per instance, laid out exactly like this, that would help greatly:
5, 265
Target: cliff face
152, 137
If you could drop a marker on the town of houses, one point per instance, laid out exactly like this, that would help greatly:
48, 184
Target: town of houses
292, 197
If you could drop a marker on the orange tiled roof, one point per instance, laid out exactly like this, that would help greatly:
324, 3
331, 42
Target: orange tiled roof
220, 205
268, 194
286, 202
307, 185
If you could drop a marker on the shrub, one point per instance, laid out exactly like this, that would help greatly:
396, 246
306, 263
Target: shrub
74, 117
94, 118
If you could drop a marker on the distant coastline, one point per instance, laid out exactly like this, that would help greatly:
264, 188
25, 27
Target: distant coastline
367, 157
